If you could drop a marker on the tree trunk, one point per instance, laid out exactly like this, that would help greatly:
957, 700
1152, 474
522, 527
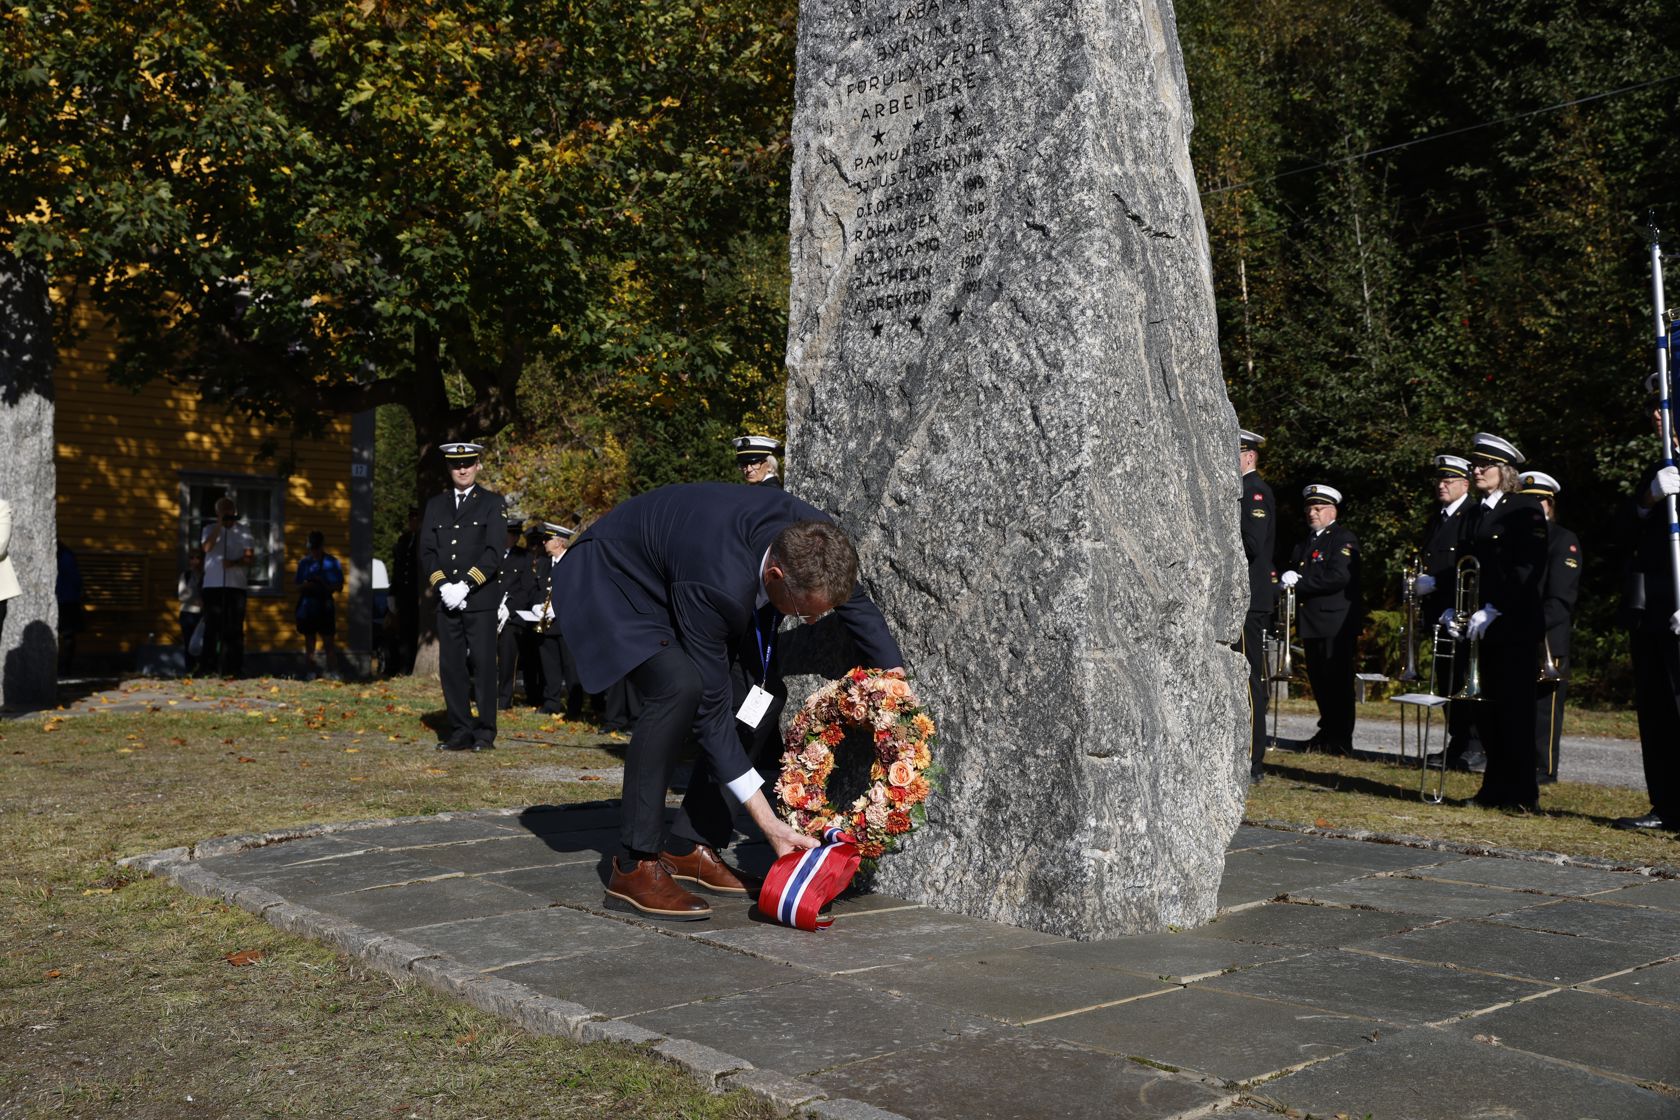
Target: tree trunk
28, 481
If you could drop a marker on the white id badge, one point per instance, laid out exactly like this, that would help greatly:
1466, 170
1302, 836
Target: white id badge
754, 706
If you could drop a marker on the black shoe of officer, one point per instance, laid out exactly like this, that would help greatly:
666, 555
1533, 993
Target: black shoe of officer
1641, 823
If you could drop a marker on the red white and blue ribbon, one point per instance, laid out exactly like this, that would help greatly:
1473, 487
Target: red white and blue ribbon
800, 884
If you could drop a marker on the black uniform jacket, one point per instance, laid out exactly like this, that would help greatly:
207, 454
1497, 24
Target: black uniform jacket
1259, 537
543, 589
1509, 541
465, 544
682, 564
518, 582
1647, 564
1441, 543
1561, 589
773, 481
1328, 597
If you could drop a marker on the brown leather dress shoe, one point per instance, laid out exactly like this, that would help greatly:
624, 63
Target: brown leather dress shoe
647, 889
703, 866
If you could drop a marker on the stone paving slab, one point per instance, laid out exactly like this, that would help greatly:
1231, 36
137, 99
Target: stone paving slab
1217, 1034
651, 974
905, 1008
1548, 958
1306, 926
1175, 958
1637, 1040
1430, 1074
1657, 984
1031, 1077
524, 936
1013, 987
438, 901
1654, 929
1426, 898
812, 1023
1527, 875
1396, 992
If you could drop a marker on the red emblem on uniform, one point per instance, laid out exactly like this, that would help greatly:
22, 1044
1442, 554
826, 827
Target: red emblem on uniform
1572, 548
1259, 497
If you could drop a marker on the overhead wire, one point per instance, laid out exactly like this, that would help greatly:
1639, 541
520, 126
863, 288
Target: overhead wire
1441, 135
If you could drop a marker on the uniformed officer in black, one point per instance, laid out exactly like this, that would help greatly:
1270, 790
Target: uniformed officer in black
1324, 571
1650, 613
1559, 592
516, 582
1438, 587
561, 694
461, 543
1506, 533
1259, 537
756, 458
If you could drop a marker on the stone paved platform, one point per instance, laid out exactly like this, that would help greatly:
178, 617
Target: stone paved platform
1341, 976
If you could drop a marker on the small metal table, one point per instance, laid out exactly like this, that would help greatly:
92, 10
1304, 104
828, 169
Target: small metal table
1421, 708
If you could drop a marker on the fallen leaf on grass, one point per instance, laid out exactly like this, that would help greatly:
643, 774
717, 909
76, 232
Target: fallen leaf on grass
464, 1039
435, 770
352, 750
254, 714
54, 974
589, 777
97, 890
52, 725
244, 957
358, 777
245, 758
178, 741
1321, 823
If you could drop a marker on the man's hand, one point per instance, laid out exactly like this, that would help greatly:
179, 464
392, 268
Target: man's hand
783, 837
1424, 584
453, 595
501, 613
1290, 578
1449, 622
1674, 624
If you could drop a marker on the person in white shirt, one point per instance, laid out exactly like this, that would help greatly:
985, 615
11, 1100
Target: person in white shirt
229, 550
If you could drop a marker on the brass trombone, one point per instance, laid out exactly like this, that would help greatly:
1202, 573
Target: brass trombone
1286, 656
1409, 599
1466, 602
1549, 670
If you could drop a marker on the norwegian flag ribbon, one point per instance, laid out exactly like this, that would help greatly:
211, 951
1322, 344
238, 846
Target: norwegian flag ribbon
801, 883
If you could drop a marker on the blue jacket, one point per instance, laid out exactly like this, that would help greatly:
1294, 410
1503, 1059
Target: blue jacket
681, 565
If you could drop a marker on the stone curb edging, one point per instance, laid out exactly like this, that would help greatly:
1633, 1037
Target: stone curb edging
537, 1013
1473, 848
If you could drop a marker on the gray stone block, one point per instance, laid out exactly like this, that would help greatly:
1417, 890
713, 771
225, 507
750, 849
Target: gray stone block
1173, 958
1660, 984
292, 918
1653, 929
524, 936
868, 940
1663, 894
542, 1014
402, 907
1530, 875
703, 1062
843, 1108
1002, 315
1310, 927
1013, 987
254, 899
1425, 898
152, 862
226, 845
660, 972
393, 956
1549, 958
442, 974
1601, 1032
780, 1090
616, 1030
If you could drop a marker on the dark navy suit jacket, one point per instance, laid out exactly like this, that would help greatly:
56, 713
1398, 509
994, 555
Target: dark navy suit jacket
680, 565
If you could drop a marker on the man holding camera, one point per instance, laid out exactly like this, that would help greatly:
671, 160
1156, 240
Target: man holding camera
229, 548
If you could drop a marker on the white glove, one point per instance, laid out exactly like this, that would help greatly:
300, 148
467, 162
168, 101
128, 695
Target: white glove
1674, 624
1481, 620
548, 612
1290, 578
1666, 484
1449, 621
1425, 584
501, 613
453, 595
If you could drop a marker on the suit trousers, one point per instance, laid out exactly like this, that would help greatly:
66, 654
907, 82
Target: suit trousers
710, 818
224, 631
1330, 672
1548, 723
1254, 648
1505, 718
1656, 690
669, 686
561, 694
464, 634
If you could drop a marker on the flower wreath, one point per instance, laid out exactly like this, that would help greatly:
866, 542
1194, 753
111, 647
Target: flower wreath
903, 738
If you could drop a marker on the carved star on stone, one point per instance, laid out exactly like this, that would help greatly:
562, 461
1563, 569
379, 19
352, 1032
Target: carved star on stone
956, 113
955, 313
917, 127
916, 323
875, 329
880, 137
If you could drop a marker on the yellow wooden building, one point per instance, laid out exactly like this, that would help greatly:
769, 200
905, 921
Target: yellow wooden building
139, 474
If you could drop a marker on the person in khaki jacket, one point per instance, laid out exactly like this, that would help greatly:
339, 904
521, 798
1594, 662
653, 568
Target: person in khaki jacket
9, 589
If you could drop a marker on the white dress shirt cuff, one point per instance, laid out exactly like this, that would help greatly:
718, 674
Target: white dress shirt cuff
745, 786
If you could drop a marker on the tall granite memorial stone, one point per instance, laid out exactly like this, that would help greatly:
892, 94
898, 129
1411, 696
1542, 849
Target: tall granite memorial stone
1004, 380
